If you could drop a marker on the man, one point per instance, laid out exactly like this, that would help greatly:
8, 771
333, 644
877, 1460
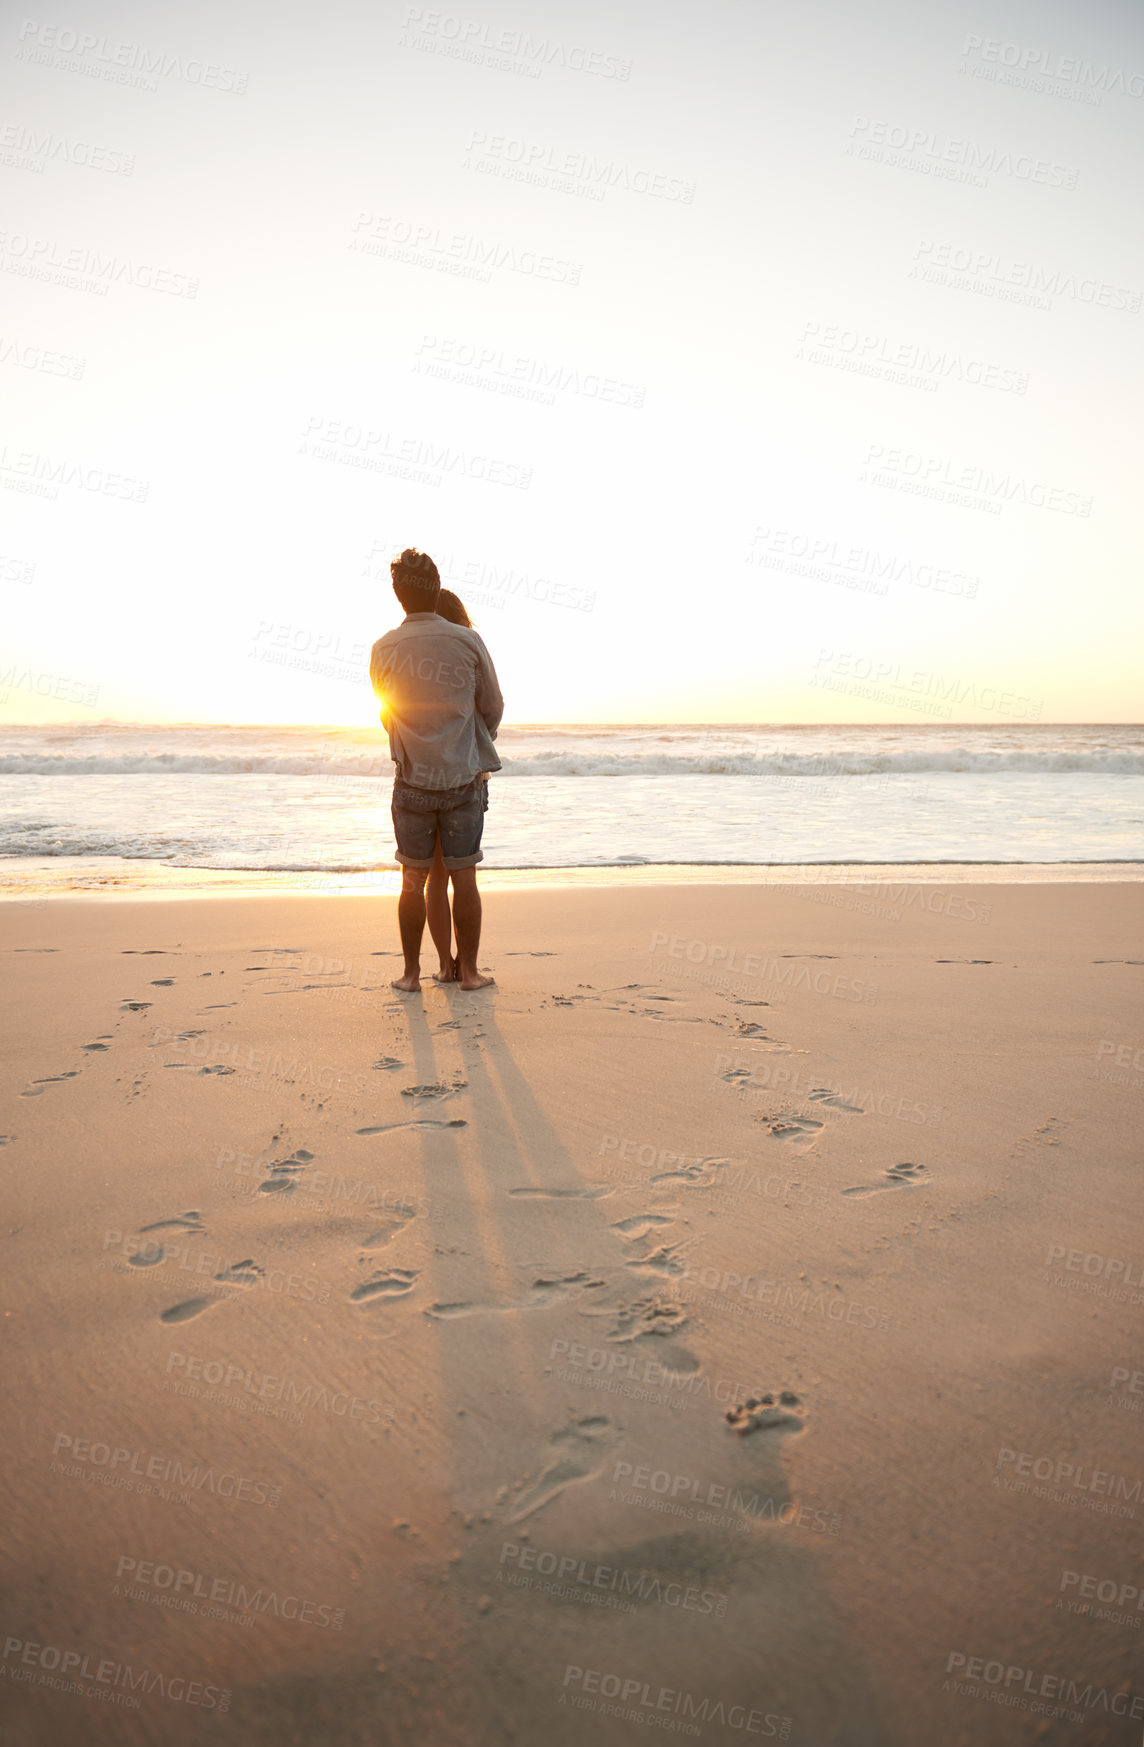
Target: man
441, 705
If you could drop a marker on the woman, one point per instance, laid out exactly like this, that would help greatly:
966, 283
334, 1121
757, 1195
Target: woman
437, 911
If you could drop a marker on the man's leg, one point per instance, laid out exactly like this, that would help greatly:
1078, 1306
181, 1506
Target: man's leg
440, 919
467, 921
411, 922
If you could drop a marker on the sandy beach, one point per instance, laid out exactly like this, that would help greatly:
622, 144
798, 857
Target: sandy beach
727, 1326
662, 474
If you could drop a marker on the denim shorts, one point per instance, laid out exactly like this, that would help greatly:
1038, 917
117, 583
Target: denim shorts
456, 816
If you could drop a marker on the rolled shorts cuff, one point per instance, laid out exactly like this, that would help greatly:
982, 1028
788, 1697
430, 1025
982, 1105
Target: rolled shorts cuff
453, 863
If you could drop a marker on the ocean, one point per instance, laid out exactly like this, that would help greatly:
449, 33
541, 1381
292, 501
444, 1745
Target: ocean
128, 804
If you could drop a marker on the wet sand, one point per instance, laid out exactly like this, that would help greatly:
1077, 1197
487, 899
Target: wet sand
727, 1326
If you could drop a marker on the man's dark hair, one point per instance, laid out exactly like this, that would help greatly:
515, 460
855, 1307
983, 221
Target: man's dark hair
415, 581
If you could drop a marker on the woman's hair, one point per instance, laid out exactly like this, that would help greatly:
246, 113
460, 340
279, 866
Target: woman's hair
449, 607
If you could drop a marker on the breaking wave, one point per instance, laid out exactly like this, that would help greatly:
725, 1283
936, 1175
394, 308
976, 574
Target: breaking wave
338, 763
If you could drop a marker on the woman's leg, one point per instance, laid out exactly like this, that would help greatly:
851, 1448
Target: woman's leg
440, 918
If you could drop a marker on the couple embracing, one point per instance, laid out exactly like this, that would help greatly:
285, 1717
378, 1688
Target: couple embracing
441, 705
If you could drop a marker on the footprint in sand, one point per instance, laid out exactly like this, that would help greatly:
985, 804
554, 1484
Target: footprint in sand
546, 1289
387, 1063
134, 1006
100, 1043
284, 1173
389, 1127
664, 1260
798, 1130
218, 1068
645, 1317
835, 1100
153, 1251
897, 1177
243, 1273
764, 1413
149, 1256
383, 1234
392, 1283
583, 1192
699, 1174
190, 1221
639, 1233
163, 983
432, 1093
579, 1452
38, 1086
189, 1307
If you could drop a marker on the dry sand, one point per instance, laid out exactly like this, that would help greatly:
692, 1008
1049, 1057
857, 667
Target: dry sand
373, 1355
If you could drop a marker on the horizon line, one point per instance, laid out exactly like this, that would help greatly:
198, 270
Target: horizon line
343, 727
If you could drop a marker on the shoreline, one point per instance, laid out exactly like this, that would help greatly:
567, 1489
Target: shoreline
50, 880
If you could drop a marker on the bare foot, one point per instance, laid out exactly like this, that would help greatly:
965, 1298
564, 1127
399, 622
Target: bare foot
473, 980
449, 973
407, 985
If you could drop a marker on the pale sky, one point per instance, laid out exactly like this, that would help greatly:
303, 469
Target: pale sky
800, 205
